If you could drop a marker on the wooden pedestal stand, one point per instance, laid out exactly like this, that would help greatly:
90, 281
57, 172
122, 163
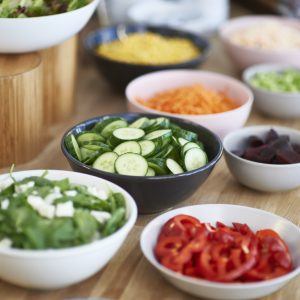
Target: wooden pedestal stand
59, 68
36, 91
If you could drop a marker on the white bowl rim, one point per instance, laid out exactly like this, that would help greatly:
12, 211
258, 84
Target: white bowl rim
54, 253
224, 36
254, 128
13, 20
211, 284
248, 101
258, 68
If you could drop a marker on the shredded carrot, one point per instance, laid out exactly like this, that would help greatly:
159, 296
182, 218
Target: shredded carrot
190, 100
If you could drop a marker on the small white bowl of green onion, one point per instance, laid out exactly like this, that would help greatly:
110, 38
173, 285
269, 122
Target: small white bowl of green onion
276, 89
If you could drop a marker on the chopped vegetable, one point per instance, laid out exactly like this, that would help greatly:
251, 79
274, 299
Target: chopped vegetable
221, 253
37, 8
146, 147
39, 213
149, 49
273, 149
190, 100
286, 81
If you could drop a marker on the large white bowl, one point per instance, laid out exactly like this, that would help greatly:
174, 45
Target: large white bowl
275, 104
244, 57
53, 269
146, 86
256, 219
259, 176
19, 35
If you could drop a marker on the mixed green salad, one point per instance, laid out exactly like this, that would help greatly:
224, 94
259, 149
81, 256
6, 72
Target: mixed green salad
286, 81
37, 8
39, 213
146, 147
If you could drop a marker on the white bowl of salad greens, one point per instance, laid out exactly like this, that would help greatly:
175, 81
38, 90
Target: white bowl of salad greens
32, 25
58, 228
276, 89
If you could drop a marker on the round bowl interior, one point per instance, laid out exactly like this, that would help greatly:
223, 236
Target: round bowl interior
120, 73
155, 193
246, 56
256, 219
148, 85
56, 268
20, 35
260, 176
277, 104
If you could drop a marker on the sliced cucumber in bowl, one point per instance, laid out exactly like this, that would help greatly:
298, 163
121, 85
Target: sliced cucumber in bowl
106, 162
128, 147
131, 164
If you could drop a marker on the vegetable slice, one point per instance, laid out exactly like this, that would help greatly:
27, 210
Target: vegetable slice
72, 146
106, 162
128, 147
131, 164
148, 148
173, 166
195, 158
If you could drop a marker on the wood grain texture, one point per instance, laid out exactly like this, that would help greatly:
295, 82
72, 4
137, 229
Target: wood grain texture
59, 77
20, 108
129, 276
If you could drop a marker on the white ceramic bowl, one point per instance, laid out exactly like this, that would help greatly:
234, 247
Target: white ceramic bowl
256, 219
244, 57
275, 104
53, 269
146, 86
19, 35
259, 176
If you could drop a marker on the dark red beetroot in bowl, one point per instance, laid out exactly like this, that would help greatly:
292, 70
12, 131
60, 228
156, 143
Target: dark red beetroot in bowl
273, 149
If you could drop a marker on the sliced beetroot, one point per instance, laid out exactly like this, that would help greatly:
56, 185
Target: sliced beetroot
272, 135
274, 149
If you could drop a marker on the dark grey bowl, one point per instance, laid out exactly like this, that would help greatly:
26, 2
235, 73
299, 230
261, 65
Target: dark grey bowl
157, 193
119, 74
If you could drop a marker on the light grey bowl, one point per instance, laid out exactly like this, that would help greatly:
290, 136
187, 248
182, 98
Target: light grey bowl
275, 104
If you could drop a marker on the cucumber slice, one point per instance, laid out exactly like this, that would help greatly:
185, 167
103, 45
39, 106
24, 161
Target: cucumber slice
169, 150
128, 147
188, 146
131, 164
90, 160
104, 122
140, 123
173, 166
106, 162
148, 148
159, 135
150, 172
72, 146
97, 146
161, 153
86, 153
195, 158
108, 129
88, 137
185, 134
158, 165
126, 134
182, 141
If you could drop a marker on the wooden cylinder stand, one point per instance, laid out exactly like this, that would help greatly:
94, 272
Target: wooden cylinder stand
21, 108
59, 74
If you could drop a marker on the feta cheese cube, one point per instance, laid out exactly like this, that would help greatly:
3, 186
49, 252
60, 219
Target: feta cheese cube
53, 196
101, 216
4, 204
98, 192
65, 209
22, 188
5, 243
44, 209
71, 193
5, 183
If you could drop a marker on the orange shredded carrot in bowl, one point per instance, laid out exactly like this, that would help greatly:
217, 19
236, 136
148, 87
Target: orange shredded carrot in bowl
190, 100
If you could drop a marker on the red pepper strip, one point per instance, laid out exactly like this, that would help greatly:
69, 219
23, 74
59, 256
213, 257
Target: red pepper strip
168, 246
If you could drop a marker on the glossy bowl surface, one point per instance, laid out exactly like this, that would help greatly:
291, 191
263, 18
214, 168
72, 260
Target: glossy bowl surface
275, 104
19, 35
256, 219
155, 193
244, 57
148, 85
120, 73
58, 268
259, 176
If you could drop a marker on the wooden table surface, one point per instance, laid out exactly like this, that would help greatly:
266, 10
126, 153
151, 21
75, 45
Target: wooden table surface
129, 276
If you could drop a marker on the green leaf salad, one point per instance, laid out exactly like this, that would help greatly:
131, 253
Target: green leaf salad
38, 8
39, 213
